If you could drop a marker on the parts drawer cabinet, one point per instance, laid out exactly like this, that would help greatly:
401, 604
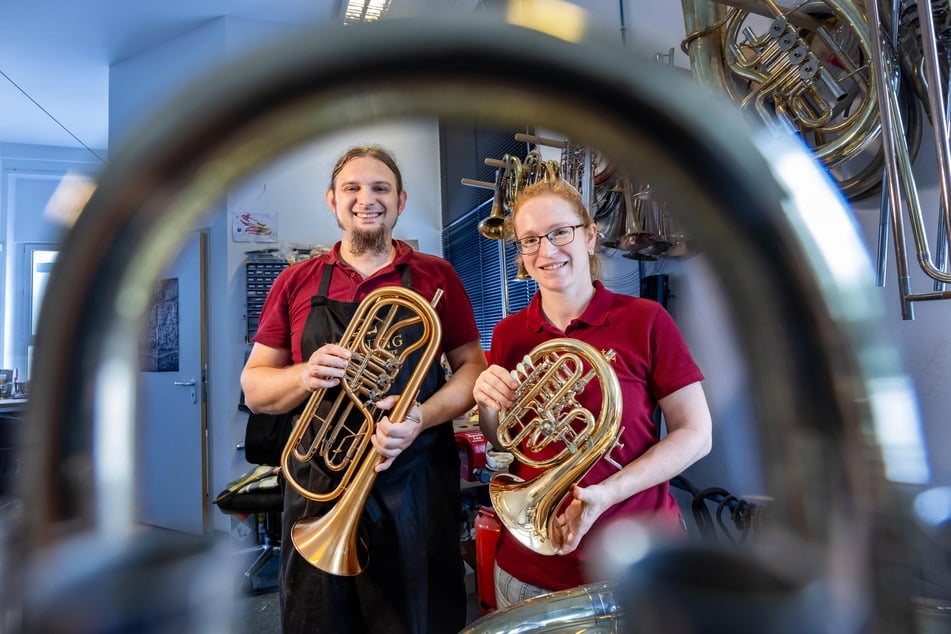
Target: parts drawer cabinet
260, 270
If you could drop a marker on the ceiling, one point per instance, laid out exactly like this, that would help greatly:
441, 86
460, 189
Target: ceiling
55, 54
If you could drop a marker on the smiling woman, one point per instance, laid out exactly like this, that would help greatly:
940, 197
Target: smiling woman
638, 114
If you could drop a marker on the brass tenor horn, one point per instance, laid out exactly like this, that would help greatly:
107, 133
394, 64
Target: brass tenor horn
330, 542
546, 412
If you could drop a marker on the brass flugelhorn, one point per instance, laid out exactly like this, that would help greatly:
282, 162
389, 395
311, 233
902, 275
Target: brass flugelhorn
378, 338
512, 176
492, 227
546, 413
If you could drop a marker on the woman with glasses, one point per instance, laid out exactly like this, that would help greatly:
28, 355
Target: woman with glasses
555, 237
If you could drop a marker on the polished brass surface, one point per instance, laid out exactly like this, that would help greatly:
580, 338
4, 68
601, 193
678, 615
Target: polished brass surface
851, 78
330, 542
588, 609
813, 80
547, 413
493, 226
512, 177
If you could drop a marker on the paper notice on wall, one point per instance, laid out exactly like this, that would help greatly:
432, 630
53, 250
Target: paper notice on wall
254, 226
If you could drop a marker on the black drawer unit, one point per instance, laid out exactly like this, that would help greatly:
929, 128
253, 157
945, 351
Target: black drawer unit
260, 270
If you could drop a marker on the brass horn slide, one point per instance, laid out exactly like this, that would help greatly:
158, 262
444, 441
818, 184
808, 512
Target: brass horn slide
900, 182
331, 542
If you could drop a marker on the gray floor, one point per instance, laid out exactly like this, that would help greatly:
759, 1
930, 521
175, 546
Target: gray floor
258, 612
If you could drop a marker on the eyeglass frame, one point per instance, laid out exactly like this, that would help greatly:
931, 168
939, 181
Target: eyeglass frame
521, 248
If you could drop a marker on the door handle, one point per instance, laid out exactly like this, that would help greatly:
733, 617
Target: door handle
193, 393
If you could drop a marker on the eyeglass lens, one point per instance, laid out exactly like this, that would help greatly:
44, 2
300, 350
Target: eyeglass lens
559, 236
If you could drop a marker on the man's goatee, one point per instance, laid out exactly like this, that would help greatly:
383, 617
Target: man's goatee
370, 242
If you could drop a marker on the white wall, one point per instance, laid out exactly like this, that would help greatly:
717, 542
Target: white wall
648, 27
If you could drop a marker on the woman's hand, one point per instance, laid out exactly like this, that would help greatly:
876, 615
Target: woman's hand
578, 517
391, 439
325, 367
495, 388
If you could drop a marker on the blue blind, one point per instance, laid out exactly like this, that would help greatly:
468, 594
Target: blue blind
478, 261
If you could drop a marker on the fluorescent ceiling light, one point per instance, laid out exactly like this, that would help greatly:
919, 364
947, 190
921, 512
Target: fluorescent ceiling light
365, 10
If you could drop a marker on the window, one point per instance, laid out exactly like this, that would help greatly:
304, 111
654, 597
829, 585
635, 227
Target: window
38, 262
478, 261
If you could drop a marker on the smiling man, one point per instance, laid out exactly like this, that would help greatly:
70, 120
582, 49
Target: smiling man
413, 580
366, 200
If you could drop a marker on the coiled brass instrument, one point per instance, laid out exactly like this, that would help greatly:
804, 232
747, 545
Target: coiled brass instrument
377, 336
844, 74
546, 413
804, 70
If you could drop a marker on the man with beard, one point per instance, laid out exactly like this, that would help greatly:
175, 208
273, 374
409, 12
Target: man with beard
413, 578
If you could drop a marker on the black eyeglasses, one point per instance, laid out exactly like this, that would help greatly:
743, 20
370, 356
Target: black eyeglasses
559, 236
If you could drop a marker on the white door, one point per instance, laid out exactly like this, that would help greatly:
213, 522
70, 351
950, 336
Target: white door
172, 452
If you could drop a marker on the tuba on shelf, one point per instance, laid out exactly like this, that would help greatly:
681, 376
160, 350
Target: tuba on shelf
546, 413
340, 437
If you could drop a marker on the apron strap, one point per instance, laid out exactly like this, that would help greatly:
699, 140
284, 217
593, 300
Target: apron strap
325, 280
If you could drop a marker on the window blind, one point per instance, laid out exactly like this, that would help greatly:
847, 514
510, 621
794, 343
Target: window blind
478, 261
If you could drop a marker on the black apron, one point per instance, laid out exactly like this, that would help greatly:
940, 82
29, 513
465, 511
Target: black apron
413, 581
